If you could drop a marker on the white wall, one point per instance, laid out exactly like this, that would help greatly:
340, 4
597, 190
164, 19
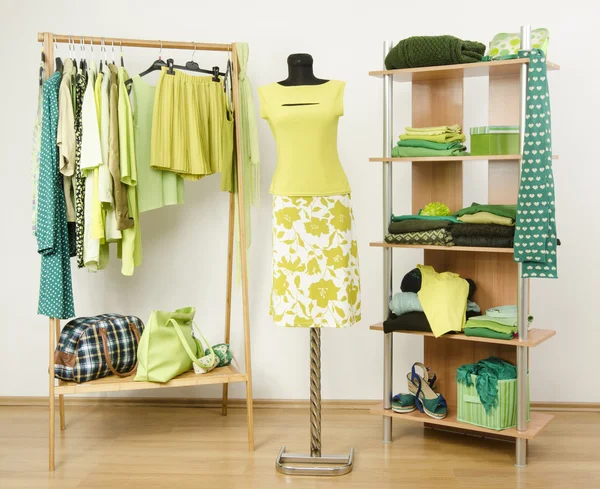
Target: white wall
184, 247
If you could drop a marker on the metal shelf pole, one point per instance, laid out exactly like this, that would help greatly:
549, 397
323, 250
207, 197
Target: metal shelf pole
388, 350
523, 286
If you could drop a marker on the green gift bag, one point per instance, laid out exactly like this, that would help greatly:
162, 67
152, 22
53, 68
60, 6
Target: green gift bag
168, 349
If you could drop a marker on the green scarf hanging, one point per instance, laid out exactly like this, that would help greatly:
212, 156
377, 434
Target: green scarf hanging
249, 146
535, 224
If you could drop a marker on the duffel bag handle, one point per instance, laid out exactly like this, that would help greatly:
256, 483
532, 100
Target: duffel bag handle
104, 337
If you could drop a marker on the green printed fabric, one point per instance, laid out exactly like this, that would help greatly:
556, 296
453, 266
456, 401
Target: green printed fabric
535, 224
439, 237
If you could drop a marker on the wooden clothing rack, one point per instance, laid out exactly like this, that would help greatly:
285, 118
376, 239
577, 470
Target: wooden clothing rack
223, 375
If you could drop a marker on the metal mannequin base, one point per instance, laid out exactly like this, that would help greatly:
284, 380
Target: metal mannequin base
307, 465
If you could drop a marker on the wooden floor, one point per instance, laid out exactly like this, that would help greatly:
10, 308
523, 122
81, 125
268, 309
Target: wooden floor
181, 448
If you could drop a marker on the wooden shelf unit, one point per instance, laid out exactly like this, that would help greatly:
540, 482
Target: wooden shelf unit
224, 375
438, 99
466, 70
468, 249
536, 424
416, 159
536, 336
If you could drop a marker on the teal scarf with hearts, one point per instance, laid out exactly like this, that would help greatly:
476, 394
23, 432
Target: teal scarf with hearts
535, 224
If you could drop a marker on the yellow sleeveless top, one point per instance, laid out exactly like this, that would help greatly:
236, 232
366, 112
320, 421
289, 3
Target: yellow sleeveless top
306, 136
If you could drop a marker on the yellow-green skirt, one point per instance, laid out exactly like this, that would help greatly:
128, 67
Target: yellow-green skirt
316, 281
192, 128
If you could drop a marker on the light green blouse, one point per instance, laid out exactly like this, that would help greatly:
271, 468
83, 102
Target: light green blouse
155, 188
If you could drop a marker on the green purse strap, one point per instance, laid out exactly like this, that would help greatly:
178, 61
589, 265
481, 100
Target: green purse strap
202, 338
185, 345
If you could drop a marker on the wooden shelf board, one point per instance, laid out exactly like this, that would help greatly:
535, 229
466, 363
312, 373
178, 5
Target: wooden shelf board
536, 336
472, 249
455, 158
537, 423
486, 68
221, 375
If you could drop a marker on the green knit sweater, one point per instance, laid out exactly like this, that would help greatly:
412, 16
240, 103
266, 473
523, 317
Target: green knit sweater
419, 51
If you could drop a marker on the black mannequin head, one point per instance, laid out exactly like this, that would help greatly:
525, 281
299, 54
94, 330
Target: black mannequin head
300, 71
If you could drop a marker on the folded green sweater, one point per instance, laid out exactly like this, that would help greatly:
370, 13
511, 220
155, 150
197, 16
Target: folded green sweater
509, 211
416, 225
420, 51
423, 143
431, 131
437, 138
407, 152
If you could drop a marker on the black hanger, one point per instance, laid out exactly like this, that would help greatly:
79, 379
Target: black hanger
156, 66
83, 62
192, 65
42, 68
214, 72
122, 57
57, 61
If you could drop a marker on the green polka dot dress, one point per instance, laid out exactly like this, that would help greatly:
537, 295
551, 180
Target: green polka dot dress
56, 290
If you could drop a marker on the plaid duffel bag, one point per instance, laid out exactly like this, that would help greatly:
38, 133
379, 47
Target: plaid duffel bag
90, 348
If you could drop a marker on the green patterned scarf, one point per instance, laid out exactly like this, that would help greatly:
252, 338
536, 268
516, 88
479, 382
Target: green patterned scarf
535, 225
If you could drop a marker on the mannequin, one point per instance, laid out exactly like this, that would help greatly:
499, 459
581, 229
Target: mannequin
315, 260
300, 71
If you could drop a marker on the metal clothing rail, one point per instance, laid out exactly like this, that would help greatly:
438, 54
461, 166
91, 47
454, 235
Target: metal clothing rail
225, 375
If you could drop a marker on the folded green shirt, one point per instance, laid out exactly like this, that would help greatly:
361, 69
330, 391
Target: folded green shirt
509, 211
493, 326
411, 151
488, 333
489, 321
422, 143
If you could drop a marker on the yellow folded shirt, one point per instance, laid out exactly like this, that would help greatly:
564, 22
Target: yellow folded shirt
436, 138
433, 130
443, 297
486, 218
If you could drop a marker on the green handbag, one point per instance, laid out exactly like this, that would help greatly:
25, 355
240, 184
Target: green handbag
168, 349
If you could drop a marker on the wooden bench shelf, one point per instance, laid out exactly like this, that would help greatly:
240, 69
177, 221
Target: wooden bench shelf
223, 375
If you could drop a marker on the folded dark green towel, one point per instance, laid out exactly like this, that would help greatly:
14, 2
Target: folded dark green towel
485, 241
495, 230
416, 225
419, 51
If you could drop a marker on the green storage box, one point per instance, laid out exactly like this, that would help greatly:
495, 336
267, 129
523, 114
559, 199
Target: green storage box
504, 415
494, 140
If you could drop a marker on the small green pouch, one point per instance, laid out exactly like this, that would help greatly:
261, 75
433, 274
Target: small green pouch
507, 45
223, 353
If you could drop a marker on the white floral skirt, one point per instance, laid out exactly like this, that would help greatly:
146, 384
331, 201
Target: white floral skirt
316, 282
